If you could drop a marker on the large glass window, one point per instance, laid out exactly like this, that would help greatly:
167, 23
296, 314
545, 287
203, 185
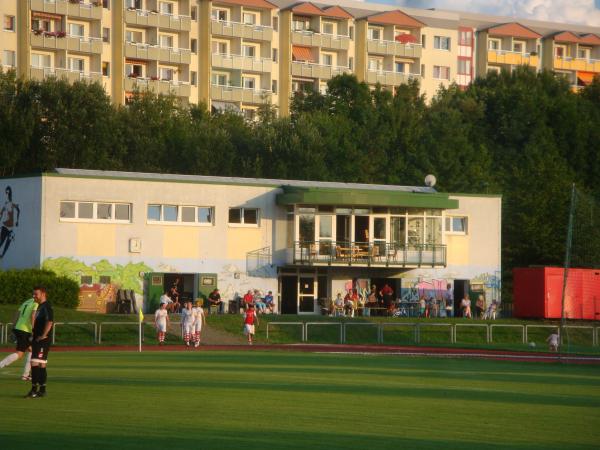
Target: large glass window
433, 231
307, 227
398, 230
415, 231
154, 212
243, 216
170, 213
85, 211
456, 224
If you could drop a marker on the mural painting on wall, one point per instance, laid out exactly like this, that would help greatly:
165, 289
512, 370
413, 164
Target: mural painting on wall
9, 218
100, 281
413, 290
489, 284
234, 282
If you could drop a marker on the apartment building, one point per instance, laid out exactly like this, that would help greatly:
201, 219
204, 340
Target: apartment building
303, 240
240, 54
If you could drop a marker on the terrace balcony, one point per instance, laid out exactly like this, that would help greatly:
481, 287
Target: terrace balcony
239, 94
512, 58
241, 30
394, 48
579, 64
164, 87
311, 39
68, 42
170, 55
240, 62
65, 7
389, 78
368, 254
41, 73
146, 18
312, 70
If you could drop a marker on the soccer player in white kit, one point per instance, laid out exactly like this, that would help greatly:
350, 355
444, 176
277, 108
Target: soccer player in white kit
187, 323
161, 320
199, 320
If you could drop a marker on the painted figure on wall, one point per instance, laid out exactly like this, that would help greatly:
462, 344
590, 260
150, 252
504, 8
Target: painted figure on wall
9, 217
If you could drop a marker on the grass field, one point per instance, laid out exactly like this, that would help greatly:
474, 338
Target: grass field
278, 400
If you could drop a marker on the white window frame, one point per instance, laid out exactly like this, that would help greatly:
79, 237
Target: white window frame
41, 56
242, 224
179, 221
372, 30
167, 37
80, 27
218, 75
9, 58
497, 44
13, 21
449, 219
255, 50
169, 6
329, 24
250, 14
80, 62
438, 43
220, 14
523, 46
94, 217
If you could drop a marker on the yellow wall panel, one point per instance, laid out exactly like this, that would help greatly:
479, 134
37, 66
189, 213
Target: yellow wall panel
458, 250
241, 241
96, 239
180, 242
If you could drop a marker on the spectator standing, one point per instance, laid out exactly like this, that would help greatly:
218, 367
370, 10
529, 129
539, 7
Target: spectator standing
422, 306
248, 300
387, 293
250, 321
214, 299
449, 300
166, 300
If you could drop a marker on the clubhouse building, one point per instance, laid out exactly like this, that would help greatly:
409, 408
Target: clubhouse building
305, 241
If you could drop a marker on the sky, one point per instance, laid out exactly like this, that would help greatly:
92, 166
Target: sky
583, 12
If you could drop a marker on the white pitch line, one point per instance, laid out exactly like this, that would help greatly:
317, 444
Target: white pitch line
467, 355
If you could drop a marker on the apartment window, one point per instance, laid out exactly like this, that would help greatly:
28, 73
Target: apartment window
104, 279
328, 28
193, 78
300, 23
274, 86
42, 25
275, 23
9, 23
219, 48
134, 36
134, 70
219, 14
166, 73
351, 63
166, 41
518, 47
9, 58
86, 279
351, 32
275, 55
249, 51
249, 18
166, 8
249, 114
40, 61
106, 4
243, 216
194, 45
105, 69
456, 224
493, 44
194, 13
423, 40
584, 53
327, 59
374, 34
106, 35
76, 30
441, 72
465, 37
375, 64
95, 211
198, 215
134, 4
464, 67
399, 67
76, 64
441, 42
219, 79
248, 82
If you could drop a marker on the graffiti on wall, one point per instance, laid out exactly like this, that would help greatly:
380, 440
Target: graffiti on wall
413, 290
9, 218
99, 282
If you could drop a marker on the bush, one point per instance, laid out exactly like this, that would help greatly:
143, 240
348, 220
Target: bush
17, 286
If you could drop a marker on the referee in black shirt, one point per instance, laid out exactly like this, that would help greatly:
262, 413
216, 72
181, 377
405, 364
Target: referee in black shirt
42, 326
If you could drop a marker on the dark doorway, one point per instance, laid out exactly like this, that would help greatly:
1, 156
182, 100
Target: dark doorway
289, 294
342, 229
461, 287
361, 229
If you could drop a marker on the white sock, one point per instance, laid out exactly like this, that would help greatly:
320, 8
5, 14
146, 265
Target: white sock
9, 360
27, 365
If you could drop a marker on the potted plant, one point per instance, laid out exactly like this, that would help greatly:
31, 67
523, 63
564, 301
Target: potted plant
60, 34
75, 2
132, 75
97, 3
38, 32
154, 78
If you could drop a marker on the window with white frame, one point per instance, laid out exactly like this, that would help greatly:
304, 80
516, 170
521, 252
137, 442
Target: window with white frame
464, 67
494, 44
220, 47
40, 61
133, 4
41, 24
328, 28
584, 53
560, 51
166, 41
457, 224
105, 68
76, 64
166, 73
76, 30
441, 72
327, 59
243, 216
220, 79
399, 67
300, 23
465, 37
106, 35
9, 58
249, 51
193, 78
9, 23
374, 34
134, 70
180, 214
250, 18
375, 64
249, 82
441, 42
219, 14
95, 211
134, 36
518, 46
167, 8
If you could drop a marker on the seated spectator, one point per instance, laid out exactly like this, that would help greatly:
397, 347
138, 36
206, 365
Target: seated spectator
338, 305
465, 306
270, 302
248, 300
166, 300
259, 303
422, 307
174, 294
388, 298
214, 299
479, 307
350, 303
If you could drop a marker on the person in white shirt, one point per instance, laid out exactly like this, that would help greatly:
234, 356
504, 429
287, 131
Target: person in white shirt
187, 323
166, 300
161, 321
552, 341
199, 320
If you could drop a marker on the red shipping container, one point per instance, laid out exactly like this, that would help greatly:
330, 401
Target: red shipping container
537, 293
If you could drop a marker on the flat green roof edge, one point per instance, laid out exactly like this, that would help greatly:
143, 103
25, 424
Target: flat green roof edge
476, 195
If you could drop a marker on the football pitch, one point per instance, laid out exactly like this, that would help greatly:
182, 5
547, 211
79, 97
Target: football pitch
291, 400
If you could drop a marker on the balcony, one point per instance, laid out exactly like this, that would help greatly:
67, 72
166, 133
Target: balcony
373, 254
239, 94
388, 78
579, 64
53, 7
394, 48
41, 73
84, 45
328, 41
145, 18
164, 87
311, 70
241, 30
239, 62
154, 52
65, 7
47, 41
512, 58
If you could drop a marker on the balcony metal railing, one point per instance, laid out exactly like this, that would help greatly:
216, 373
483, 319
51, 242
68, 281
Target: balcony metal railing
382, 254
230, 23
511, 52
407, 44
313, 33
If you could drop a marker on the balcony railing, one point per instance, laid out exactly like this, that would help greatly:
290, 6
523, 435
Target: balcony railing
241, 62
40, 73
582, 64
312, 39
239, 94
84, 10
172, 55
243, 30
157, 19
164, 87
390, 78
512, 57
379, 254
394, 48
314, 70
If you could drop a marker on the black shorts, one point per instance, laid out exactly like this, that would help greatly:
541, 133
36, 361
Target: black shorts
39, 350
23, 340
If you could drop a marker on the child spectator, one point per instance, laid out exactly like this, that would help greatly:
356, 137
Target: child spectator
250, 320
161, 321
259, 303
270, 302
